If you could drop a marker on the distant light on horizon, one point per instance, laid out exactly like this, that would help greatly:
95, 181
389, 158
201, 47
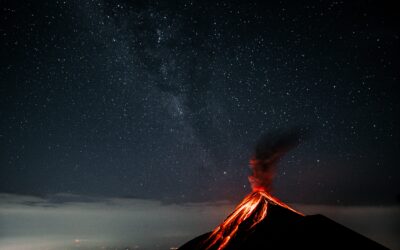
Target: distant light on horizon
150, 225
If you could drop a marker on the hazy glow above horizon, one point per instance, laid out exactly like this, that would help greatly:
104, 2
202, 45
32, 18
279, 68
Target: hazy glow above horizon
31, 223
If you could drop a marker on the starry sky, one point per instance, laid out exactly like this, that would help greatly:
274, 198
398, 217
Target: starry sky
165, 100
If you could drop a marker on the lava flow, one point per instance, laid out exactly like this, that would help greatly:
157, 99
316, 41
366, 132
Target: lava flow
254, 207
248, 213
261, 221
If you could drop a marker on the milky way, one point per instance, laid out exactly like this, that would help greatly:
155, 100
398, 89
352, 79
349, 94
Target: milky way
166, 101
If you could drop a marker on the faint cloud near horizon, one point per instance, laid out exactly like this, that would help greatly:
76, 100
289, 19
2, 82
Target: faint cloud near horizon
77, 222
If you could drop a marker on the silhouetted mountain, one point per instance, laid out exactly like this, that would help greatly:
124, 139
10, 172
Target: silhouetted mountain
280, 228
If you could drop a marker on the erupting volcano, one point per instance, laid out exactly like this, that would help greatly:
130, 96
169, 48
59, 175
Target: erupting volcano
251, 211
262, 221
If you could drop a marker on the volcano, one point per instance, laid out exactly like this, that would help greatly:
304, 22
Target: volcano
261, 222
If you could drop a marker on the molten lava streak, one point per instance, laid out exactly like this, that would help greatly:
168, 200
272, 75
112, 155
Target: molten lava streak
248, 213
254, 207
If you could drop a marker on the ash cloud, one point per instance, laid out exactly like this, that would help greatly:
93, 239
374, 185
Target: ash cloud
270, 148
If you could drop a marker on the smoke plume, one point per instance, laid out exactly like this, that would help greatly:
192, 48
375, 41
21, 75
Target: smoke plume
269, 150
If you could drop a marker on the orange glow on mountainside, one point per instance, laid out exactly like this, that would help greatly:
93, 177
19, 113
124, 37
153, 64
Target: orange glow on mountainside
247, 215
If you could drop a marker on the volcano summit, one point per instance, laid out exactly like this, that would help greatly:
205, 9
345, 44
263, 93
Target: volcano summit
261, 221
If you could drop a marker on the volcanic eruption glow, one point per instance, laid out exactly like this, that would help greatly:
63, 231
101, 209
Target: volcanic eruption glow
254, 207
247, 214
262, 221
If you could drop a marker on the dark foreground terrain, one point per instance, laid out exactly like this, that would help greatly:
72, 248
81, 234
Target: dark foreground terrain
284, 229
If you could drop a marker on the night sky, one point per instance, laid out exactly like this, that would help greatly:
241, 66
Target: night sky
165, 100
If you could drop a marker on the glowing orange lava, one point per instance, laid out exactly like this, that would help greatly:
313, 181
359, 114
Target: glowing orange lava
247, 214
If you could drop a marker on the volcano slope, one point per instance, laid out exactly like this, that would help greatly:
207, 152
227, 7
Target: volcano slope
261, 221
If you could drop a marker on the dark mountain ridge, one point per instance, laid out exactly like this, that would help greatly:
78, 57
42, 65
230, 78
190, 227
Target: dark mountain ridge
280, 228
